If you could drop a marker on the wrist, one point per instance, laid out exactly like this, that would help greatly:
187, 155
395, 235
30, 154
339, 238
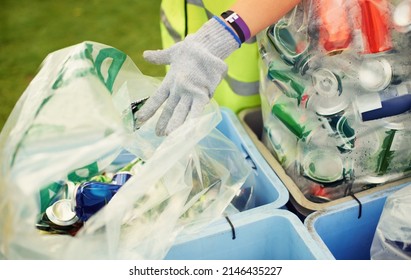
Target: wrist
237, 24
217, 37
230, 29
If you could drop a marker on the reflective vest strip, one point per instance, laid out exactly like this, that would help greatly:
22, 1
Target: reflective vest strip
242, 88
198, 3
171, 31
239, 87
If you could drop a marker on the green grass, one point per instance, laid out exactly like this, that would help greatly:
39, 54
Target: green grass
31, 29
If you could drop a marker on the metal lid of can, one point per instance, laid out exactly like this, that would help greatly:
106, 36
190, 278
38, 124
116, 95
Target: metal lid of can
402, 16
303, 64
325, 106
323, 166
60, 213
375, 74
326, 83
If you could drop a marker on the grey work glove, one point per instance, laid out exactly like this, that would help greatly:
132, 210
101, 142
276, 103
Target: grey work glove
196, 68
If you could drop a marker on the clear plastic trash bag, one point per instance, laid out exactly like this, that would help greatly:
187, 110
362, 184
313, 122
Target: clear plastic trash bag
75, 121
392, 238
335, 84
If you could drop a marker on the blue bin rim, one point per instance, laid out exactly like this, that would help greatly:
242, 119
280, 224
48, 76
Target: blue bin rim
267, 211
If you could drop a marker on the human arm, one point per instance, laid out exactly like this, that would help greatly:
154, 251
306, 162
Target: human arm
197, 63
262, 13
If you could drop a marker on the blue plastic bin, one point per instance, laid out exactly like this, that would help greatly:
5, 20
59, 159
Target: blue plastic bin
341, 233
260, 233
269, 188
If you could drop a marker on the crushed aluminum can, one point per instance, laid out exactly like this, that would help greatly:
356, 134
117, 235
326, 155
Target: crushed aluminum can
60, 219
90, 197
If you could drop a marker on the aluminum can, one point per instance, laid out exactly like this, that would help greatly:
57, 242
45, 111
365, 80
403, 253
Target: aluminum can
298, 121
390, 107
392, 101
323, 166
387, 157
392, 143
385, 154
59, 218
90, 197
61, 214
339, 126
327, 83
331, 105
288, 83
327, 106
378, 72
50, 194
103, 178
120, 178
401, 17
335, 32
375, 26
344, 65
403, 88
320, 158
292, 45
280, 141
375, 74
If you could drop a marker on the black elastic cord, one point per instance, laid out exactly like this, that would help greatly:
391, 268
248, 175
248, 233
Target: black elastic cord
231, 225
359, 203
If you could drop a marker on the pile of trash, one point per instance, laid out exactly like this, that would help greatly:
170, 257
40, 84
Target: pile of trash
335, 89
79, 180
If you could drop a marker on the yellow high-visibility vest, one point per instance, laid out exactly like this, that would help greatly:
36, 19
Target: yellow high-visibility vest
240, 88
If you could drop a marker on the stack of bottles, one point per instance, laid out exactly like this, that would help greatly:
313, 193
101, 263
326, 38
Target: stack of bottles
336, 94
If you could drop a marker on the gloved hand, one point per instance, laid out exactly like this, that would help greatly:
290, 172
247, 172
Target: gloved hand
196, 69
